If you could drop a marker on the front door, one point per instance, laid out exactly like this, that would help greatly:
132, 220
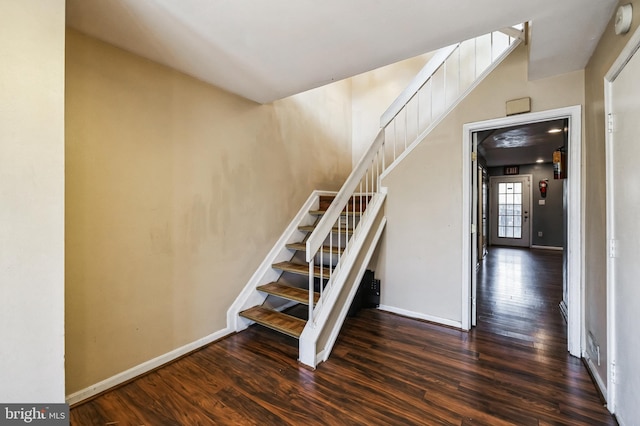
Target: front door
510, 210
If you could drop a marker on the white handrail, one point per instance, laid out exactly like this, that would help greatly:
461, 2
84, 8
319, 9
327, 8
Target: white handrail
416, 83
456, 70
324, 226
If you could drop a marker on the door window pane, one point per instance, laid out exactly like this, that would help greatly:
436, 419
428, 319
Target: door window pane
510, 210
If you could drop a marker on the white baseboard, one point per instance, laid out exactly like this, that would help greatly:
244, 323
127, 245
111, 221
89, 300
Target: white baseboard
143, 368
564, 311
417, 315
594, 372
620, 421
548, 248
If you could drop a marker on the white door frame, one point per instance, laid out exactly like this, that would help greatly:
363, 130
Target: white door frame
575, 216
630, 48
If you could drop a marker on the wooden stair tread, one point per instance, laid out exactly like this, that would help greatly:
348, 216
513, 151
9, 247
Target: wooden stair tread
300, 295
301, 269
278, 321
310, 228
325, 249
343, 214
326, 200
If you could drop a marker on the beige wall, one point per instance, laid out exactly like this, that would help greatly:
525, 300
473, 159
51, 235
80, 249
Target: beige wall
607, 51
176, 191
420, 262
32, 201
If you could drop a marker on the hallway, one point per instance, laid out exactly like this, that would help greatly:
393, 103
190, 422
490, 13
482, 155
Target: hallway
513, 369
519, 292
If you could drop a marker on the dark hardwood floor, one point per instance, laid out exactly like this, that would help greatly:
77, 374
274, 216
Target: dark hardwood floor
385, 369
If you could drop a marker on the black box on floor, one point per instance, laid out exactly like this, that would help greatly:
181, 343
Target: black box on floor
368, 294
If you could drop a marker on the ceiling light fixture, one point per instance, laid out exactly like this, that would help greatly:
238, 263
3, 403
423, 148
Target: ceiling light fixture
555, 130
539, 160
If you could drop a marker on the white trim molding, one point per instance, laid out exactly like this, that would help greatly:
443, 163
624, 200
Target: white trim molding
563, 310
596, 376
575, 216
144, 368
547, 248
420, 316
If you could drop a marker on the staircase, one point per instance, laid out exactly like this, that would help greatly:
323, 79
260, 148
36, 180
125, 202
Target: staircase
320, 258
284, 290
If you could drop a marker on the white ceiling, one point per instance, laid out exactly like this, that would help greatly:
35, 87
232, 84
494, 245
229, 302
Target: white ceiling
267, 50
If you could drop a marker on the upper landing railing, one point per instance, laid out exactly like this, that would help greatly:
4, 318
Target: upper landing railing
445, 80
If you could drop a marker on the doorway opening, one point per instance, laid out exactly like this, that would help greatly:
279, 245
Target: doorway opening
510, 224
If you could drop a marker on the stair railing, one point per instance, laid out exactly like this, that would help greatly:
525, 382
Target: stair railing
338, 228
446, 79
443, 82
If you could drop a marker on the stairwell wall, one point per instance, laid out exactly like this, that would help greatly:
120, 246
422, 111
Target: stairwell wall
420, 258
175, 191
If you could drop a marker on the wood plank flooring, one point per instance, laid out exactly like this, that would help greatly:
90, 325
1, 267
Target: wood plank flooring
513, 369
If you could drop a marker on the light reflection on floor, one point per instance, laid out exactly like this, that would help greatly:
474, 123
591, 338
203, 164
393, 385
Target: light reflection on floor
519, 291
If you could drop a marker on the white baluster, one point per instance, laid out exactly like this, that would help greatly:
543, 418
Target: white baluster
311, 265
